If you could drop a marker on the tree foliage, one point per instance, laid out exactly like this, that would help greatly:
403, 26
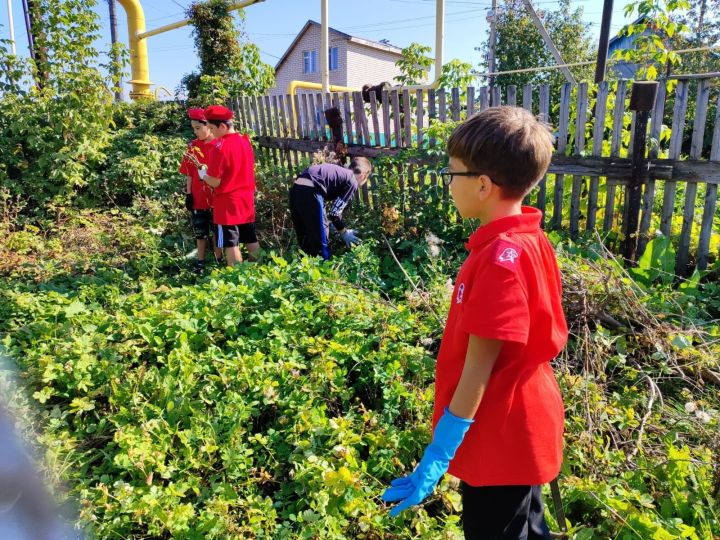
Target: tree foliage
414, 64
52, 135
229, 64
655, 32
519, 44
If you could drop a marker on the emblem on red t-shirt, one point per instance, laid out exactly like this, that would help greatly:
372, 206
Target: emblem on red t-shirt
508, 255
460, 292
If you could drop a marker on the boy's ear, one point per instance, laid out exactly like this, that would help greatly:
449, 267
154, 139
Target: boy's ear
485, 186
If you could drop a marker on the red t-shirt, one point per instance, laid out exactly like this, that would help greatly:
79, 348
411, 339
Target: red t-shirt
233, 162
201, 192
509, 289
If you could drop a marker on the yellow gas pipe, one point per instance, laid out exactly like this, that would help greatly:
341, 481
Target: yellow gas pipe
137, 37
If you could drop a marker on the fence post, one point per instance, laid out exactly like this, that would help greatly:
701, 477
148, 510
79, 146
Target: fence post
642, 101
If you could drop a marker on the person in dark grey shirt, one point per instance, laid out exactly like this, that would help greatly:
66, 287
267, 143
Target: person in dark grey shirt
314, 186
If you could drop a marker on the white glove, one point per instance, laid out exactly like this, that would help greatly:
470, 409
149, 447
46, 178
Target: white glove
349, 237
202, 173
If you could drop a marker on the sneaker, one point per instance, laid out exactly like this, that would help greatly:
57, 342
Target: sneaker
199, 267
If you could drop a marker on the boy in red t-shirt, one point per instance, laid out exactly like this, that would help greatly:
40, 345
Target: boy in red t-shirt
198, 195
498, 418
231, 172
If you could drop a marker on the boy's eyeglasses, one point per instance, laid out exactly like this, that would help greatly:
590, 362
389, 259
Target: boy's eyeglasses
447, 175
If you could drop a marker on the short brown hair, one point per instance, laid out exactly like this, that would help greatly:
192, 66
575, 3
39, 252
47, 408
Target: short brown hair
360, 164
506, 143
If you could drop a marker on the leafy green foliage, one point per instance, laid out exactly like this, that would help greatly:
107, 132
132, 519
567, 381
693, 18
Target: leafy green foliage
519, 44
414, 65
229, 65
652, 46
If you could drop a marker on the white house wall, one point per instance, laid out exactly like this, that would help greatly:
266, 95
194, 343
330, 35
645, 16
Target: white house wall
292, 68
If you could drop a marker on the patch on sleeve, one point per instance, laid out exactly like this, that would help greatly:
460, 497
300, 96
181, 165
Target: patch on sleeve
507, 254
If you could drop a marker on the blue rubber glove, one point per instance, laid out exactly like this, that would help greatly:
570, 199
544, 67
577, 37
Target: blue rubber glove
349, 237
412, 489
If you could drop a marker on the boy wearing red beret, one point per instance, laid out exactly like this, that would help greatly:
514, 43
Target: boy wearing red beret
498, 417
231, 172
198, 195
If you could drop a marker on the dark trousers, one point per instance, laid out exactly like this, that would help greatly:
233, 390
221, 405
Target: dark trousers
503, 513
307, 208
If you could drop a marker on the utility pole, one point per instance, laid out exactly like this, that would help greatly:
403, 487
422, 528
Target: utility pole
548, 40
11, 25
604, 40
492, 19
113, 39
324, 47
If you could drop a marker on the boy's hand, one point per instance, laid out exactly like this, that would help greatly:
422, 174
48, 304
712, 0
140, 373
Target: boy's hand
349, 237
411, 490
202, 173
189, 201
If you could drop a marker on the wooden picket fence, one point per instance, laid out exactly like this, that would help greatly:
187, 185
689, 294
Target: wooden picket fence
592, 161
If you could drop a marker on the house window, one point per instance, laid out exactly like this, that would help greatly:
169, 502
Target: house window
310, 64
333, 58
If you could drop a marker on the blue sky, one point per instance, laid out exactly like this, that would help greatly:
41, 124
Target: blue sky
273, 24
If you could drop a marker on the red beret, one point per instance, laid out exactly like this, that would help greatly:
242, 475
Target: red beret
218, 112
197, 114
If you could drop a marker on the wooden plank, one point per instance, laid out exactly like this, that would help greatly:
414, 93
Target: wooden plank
375, 119
598, 137
285, 102
282, 127
615, 144
386, 116
315, 117
455, 95
320, 115
305, 115
676, 137
544, 104
269, 115
407, 119
470, 96
336, 100
696, 145
396, 117
512, 95
432, 114
420, 116
263, 121
356, 96
565, 95
649, 193
442, 108
239, 113
360, 111
348, 118
618, 116
297, 119
577, 182
528, 97
279, 131
706, 224
484, 98
496, 93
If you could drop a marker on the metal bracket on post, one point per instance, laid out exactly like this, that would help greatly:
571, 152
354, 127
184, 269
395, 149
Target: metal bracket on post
642, 101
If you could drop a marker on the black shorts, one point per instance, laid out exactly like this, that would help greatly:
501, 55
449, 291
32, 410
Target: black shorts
503, 513
201, 223
233, 235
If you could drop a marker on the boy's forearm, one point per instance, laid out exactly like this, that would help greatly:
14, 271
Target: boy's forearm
212, 181
188, 184
479, 361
